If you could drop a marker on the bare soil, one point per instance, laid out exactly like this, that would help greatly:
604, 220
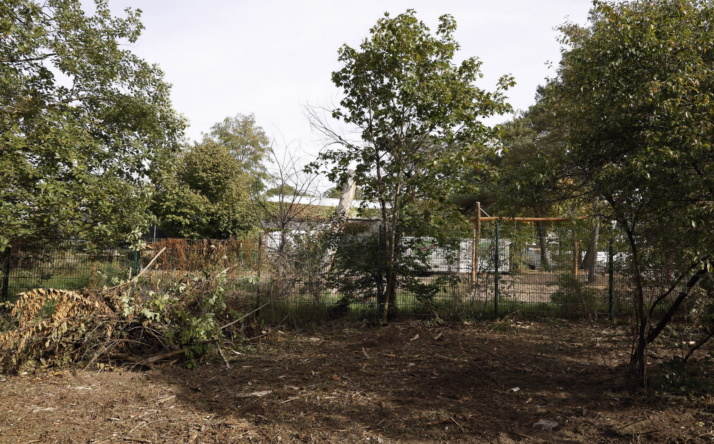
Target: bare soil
499, 383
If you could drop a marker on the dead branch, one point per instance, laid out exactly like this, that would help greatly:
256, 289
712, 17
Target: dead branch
245, 316
136, 278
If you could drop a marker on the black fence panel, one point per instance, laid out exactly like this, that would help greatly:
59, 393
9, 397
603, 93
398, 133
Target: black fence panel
68, 264
517, 269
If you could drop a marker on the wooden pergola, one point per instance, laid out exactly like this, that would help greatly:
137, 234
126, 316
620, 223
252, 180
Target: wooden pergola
478, 219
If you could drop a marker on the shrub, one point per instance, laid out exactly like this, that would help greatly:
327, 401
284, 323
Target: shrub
575, 297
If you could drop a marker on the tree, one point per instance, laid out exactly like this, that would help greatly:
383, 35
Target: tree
336, 192
205, 194
247, 142
294, 194
84, 123
530, 174
530, 177
533, 180
418, 115
635, 90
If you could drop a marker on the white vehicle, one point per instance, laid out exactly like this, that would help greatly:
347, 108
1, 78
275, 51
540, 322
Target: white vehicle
459, 260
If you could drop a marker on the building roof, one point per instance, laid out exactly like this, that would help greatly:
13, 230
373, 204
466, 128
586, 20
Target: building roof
320, 201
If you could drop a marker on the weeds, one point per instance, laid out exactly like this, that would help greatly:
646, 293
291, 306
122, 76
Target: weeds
575, 297
49, 327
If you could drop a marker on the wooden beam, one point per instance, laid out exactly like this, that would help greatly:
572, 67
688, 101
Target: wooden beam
529, 219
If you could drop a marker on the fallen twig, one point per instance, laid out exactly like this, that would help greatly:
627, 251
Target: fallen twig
220, 352
245, 316
146, 361
455, 422
161, 356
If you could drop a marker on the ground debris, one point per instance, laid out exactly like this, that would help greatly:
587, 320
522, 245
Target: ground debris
286, 391
546, 424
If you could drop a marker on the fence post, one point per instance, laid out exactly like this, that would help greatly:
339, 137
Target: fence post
611, 277
6, 275
496, 275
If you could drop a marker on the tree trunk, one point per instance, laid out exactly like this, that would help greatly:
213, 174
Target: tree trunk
390, 296
638, 360
591, 255
543, 242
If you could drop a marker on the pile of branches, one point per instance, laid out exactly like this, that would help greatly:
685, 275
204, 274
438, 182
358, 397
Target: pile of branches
119, 325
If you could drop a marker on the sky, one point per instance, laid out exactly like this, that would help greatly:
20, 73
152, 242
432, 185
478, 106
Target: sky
274, 58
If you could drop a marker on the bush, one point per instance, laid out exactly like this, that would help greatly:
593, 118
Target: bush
60, 327
575, 297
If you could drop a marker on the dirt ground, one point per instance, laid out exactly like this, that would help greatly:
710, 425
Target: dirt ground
410, 383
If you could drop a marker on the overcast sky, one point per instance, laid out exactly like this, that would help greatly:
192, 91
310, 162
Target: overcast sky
274, 57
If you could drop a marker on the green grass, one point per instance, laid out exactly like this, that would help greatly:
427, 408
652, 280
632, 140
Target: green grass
65, 276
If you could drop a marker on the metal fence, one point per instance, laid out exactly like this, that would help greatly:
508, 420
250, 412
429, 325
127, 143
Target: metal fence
75, 265
305, 277
518, 269
70, 265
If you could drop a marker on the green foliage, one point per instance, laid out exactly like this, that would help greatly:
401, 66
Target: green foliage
6, 321
426, 291
51, 327
247, 142
205, 194
530, 176
634, 92
359, 269
575, 297
84, 123
418, 115
190, 315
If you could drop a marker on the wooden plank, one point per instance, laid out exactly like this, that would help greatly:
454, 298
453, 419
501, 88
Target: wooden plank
529, 219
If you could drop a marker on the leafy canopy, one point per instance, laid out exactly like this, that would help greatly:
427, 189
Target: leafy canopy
246, 141
418, 113
636, 92
205, 194
532, 178
637, 88
83, 122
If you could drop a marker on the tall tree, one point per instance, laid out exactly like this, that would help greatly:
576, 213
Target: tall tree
83, 122
294, 197
637, 90
336, 192
418, 114
246, 141
532, 178
205, 194
530, 170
